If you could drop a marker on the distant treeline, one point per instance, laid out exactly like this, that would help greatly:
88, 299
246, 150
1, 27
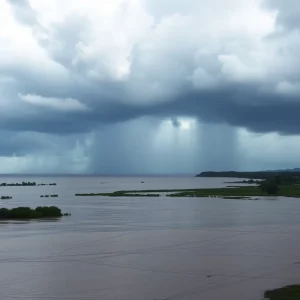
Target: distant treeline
284, 175
25, 184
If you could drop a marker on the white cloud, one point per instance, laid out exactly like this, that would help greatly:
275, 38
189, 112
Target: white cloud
67, 104
241, 71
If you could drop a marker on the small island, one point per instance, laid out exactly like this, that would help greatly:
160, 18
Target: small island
6, 197
29, 213
121, 194
24, 183
47, 196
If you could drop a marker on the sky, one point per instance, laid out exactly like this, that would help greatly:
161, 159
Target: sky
149, 86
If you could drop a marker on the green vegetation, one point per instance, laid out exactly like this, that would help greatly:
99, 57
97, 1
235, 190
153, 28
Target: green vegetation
239, 192
121, 194
19, 184
25, 184
287, 185
227, 193
239, 198
28, 213
291, 292
250, 181
267, 187
5, 197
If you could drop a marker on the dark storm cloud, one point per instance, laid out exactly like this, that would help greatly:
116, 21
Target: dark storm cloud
274, 113
255, 111
175, 122
18, 145
22, 143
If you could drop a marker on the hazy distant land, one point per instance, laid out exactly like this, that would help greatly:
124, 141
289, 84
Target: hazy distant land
251, 175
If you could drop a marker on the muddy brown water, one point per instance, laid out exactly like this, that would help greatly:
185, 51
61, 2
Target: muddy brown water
146, 248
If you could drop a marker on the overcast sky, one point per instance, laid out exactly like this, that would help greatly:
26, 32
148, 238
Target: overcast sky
149, 86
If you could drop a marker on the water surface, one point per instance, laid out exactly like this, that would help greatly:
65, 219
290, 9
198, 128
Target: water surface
146, 248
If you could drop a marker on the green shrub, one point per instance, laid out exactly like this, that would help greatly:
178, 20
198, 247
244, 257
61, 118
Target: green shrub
4, 213
291, 292
28, 213
51, 211
270, 187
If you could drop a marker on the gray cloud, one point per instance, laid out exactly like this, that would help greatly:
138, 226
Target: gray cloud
23, 11
166, 77
176, 122
82, 73
288, 12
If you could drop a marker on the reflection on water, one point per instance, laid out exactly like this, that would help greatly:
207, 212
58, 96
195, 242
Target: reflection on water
146, 248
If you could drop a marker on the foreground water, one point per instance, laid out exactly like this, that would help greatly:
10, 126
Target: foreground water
146, 248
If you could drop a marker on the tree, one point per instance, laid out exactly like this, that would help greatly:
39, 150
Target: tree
277, 180
269, 187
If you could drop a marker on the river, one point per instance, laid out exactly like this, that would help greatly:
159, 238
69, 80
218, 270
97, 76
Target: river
146, 248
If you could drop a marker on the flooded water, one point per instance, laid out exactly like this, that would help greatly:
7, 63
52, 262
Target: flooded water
146, 248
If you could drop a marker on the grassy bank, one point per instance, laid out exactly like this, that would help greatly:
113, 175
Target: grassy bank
291, 292
121, 194
232, 192
253, 191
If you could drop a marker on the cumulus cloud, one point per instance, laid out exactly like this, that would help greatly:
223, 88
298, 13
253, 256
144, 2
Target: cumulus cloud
75, 67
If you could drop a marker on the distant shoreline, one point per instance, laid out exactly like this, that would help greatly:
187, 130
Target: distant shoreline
249, 175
